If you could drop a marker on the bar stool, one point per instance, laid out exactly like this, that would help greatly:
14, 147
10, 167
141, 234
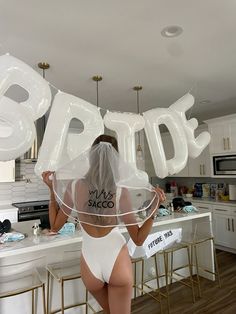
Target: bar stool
22, 277
144, 283
67, 270
174, 273
202, 234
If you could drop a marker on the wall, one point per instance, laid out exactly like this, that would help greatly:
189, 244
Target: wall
22, 191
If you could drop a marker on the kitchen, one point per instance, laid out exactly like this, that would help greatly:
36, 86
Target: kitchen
214, 104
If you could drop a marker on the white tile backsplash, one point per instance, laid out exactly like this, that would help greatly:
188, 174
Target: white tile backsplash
21, 191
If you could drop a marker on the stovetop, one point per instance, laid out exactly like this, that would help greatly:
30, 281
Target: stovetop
31, 203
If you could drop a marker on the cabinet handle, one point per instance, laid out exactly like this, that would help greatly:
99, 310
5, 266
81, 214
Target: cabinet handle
233, 225
228, 224
228, 143
221, 210
200, 170
203, 167
224, 142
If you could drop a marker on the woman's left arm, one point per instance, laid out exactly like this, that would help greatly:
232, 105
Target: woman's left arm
139, 233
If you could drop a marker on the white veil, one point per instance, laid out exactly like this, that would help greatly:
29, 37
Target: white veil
100, 189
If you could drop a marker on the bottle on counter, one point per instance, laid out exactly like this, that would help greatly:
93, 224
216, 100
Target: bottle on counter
174, 188
35, 229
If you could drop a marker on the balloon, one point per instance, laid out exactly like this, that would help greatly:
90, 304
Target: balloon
154, 118
195, 145
125, 125
17, 119
59, 146
17, 129
15, 72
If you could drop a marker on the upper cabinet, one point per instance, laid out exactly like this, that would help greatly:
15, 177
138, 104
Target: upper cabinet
200, 166
169, 152
222, 130
7, 171
197, 167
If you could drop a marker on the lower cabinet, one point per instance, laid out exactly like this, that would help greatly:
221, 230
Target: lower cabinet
9, 214
224, 225
202, 205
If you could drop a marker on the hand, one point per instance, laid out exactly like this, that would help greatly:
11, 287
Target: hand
161, 194
47, 179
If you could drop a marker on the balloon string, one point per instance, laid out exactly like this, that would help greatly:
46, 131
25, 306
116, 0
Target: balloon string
53, 86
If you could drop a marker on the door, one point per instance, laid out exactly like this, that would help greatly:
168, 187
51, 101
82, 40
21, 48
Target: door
222, 230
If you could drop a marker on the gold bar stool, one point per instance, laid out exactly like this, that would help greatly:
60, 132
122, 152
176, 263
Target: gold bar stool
202, 234
145, 283
22, 277
67, 270
173, 273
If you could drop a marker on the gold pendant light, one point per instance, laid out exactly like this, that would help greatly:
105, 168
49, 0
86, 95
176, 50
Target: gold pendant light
97, 79
139, 147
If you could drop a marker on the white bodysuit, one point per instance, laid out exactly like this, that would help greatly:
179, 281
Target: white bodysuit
101, 253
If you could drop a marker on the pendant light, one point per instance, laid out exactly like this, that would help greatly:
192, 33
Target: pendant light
44, 66
32, 154
97, 79
139, 148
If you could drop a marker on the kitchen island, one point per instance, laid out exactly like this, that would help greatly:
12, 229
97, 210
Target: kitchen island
53, 247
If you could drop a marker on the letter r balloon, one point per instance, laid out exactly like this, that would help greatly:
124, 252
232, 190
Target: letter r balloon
59, 145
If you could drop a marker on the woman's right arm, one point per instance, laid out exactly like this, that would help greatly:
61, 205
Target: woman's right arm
57, 217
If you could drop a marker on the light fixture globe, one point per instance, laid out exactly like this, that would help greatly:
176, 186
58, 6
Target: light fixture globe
171, 31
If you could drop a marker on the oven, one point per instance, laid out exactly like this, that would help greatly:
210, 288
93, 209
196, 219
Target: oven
32, 210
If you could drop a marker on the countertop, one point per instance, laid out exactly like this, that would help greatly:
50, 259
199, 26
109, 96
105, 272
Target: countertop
8, 208
36, 243
206, 200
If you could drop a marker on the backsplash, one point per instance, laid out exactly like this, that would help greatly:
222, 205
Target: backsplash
31, 188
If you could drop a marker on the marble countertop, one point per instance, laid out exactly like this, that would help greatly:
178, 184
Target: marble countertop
205, 200
8, 208
34, 243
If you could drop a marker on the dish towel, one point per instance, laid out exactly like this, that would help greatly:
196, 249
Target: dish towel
11, 237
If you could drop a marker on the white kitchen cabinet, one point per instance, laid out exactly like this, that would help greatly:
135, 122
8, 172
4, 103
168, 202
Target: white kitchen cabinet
222, 130
169, 152
224, 225
196, 167
7, 171
200, 166
11, 214
201, 205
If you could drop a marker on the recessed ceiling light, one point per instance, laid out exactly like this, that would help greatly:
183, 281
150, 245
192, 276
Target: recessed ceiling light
171, 31
204, 102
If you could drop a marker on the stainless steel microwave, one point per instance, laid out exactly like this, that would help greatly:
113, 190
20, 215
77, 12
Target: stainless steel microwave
224, 165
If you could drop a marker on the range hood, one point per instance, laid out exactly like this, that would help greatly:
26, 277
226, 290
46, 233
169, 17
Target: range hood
32, 155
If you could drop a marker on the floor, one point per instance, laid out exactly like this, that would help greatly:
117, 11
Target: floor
215, 300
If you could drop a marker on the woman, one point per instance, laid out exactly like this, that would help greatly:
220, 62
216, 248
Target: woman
105, 265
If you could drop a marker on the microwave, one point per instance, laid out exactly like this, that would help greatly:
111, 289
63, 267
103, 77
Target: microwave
224, 165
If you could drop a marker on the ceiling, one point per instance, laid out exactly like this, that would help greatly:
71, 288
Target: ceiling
122, 42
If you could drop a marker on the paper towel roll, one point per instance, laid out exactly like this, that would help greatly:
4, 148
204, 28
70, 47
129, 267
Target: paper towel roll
232, 192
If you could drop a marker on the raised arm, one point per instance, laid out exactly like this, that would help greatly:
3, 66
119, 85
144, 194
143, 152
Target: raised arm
139, 233
57, 216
